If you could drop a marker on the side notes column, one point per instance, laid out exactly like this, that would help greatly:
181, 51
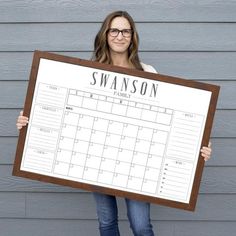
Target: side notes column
181, 156
47, 111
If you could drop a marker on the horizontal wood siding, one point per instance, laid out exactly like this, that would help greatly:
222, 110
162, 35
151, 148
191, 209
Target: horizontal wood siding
190, 39
95, 10
192, 65
79, 36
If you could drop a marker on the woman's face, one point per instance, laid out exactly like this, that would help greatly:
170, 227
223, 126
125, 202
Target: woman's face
119, 43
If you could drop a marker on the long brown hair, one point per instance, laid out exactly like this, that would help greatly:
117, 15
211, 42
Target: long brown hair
101, 51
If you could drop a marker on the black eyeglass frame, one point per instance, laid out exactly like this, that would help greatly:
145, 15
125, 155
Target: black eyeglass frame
117, 31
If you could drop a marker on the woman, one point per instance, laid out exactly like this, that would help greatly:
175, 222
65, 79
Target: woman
117, 43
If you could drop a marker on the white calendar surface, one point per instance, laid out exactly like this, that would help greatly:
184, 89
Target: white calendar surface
115, 131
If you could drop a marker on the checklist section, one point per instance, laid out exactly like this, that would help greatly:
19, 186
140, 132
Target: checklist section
175, 179
182, 153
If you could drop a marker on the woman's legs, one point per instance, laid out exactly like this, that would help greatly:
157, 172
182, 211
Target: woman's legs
139, 217
138, 214
107, 214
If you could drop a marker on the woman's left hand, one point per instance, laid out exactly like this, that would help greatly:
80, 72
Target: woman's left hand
206, 152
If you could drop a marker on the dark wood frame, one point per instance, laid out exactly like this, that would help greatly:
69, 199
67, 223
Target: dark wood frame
94, 188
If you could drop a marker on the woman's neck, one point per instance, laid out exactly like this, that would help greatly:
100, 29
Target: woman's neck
120, 60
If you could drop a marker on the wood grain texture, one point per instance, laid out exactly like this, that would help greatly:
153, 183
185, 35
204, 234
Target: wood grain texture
209, 66
12, 205
90, 10
205, 228
61, 227
81, 206
79, 36
45, 227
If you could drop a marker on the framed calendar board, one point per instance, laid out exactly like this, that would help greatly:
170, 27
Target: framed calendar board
114, 130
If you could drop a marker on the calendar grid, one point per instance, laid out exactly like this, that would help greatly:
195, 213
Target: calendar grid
116, 142
145, 166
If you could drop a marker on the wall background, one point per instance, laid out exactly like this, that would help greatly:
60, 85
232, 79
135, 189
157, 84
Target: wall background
187, 38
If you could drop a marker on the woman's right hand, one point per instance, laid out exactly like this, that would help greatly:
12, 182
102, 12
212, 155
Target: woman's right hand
21, 121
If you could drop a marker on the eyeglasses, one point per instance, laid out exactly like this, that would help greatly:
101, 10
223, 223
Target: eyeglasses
113, 32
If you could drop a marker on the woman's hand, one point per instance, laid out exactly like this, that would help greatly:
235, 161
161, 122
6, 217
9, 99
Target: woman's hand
21, 121
206, 152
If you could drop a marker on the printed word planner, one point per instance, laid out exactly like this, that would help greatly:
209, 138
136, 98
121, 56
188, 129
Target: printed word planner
114, 130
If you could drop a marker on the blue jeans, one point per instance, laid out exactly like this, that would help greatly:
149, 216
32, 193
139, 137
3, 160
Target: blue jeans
138, 214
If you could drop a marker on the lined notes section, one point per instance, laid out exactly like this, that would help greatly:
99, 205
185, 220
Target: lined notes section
184, 137
49, 105
51, 95
44, 127
181, 156
46, 116
37, 159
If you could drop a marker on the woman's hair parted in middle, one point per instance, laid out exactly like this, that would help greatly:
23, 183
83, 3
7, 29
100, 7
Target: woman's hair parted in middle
101, 48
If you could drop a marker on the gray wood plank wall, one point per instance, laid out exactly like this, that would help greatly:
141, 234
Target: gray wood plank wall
190, 39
